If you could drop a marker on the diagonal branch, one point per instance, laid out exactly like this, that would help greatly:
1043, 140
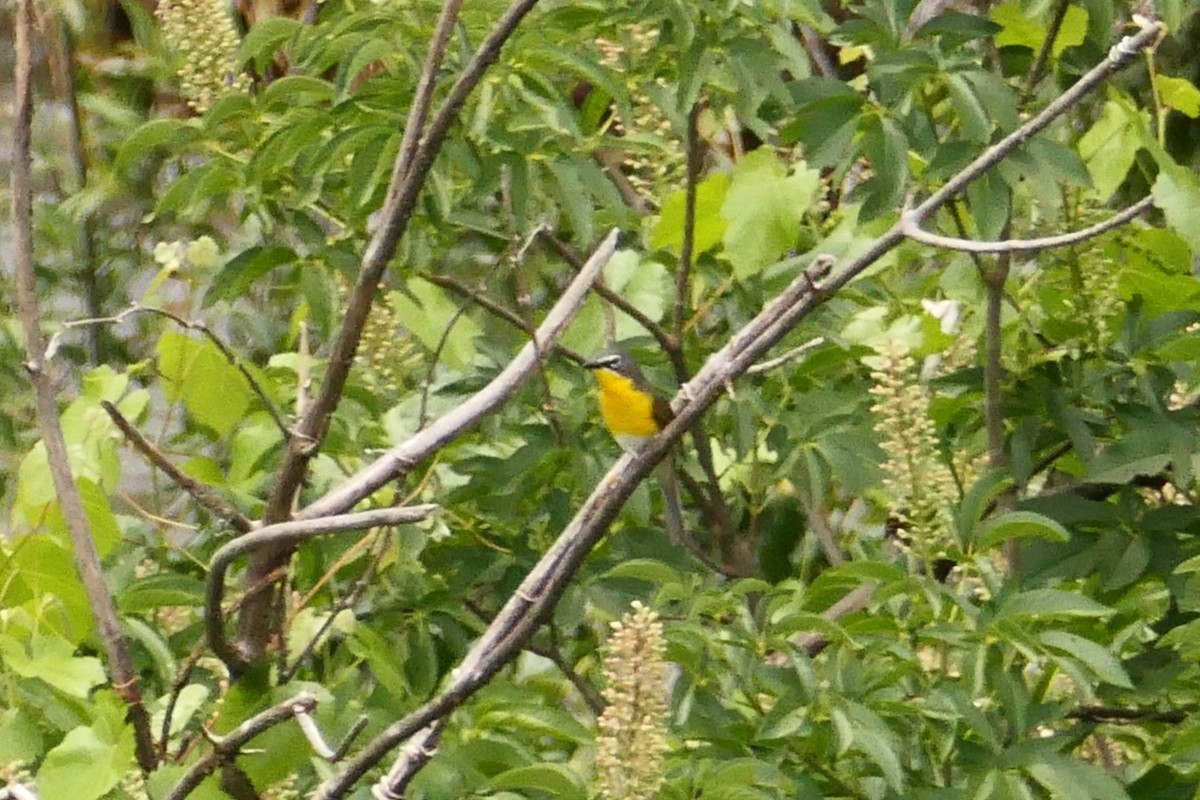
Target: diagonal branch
83, 547
203, 495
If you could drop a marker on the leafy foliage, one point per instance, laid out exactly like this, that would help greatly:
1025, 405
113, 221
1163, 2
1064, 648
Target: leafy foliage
1044, 648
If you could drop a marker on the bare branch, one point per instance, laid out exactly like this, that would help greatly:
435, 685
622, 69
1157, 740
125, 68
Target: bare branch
1043, 56
226, 747
683, 272
406, 455
794, 354
63, 65
423, 98
87, 560
854, 600
285, 533
1110, 715
203, 495
913, 230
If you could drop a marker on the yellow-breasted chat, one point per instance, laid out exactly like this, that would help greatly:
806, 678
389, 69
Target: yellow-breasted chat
633, 412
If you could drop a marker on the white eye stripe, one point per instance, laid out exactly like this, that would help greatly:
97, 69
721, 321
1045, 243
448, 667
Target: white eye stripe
612, 361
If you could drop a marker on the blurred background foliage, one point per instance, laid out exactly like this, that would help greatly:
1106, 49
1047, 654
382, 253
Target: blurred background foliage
1061, 666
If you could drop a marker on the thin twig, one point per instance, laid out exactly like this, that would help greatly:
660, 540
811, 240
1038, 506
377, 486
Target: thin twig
125, 681
854, 600
1043, 56
1108, 714
348, 600
913, 230
683, 273
794, 354
434, 358
64, 67
227, 747
204, 495
815, 47
192, 325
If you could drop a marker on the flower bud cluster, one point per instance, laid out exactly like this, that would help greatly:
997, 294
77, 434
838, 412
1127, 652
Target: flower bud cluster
201, 32
633, 728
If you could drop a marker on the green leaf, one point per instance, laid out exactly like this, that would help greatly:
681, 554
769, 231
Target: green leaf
213, 391
293, 91
427, 313
644, 569
264, 38
241, 271
54, 661
20, 739
1179, 94
1050, 603
42, 569
1069, 778
86, 765
667, 233
886, 147
1177, 193
873, 739
764, 206
170, 134
825, 121
1072, 31
1015, 28
1021, 525
160, 591
186, 195
160, 783
536, 720
978, 497
575, 199
555, 779
1100, 660
156, 644
1110, 146
1060, 161
976, 125
991, 204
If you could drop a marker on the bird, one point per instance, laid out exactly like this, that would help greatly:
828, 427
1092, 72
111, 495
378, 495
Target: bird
633, 413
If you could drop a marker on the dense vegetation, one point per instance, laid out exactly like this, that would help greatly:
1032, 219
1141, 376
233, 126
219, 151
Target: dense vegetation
939, 538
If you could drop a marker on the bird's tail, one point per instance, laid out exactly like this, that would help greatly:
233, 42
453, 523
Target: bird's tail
668, 481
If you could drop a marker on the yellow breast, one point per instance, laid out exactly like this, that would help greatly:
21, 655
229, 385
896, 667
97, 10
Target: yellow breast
628, 412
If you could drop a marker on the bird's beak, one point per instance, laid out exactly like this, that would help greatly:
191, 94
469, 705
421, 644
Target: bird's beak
593, 364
